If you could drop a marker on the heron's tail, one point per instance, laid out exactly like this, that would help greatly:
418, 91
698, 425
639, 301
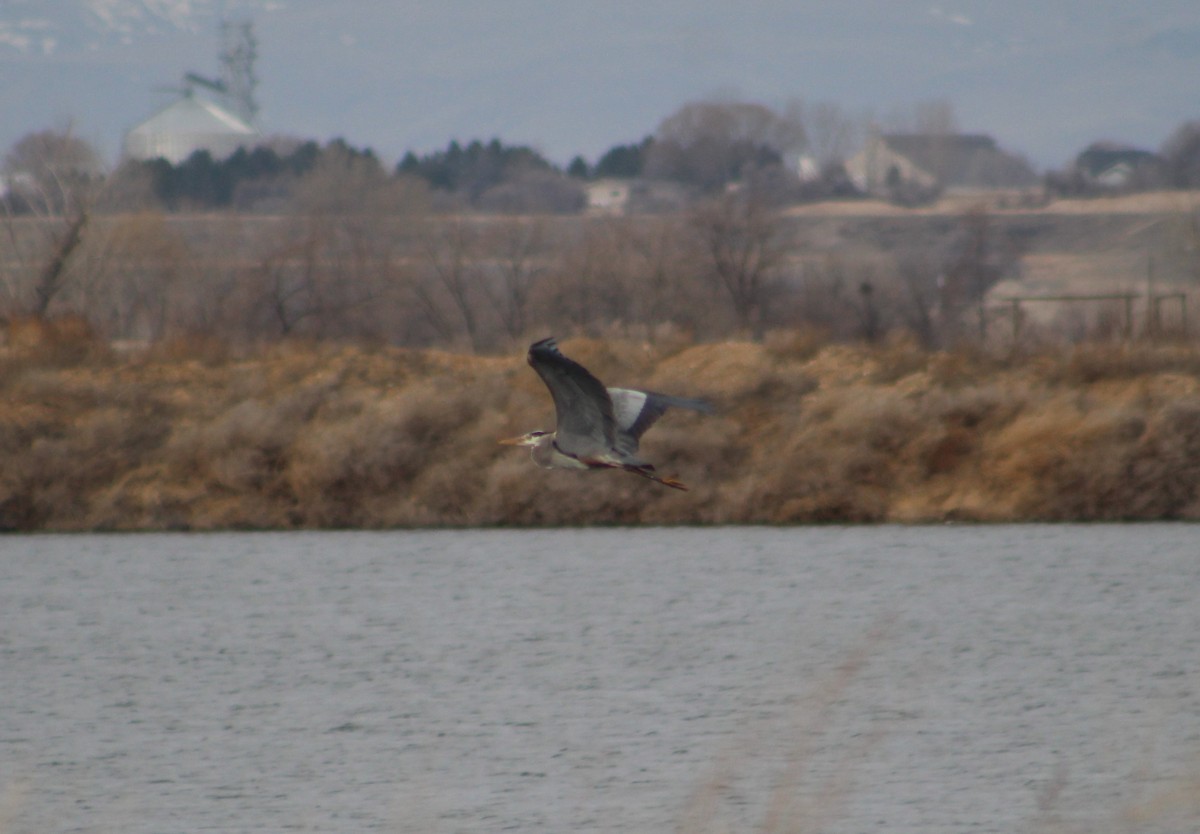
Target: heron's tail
691, 404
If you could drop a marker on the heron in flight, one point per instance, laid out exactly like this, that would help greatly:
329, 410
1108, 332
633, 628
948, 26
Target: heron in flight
598, 427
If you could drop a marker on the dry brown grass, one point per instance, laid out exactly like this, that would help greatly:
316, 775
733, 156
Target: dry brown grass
312, 435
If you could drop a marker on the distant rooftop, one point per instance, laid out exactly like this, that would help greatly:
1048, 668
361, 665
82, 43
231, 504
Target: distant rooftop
187, 125
945, 160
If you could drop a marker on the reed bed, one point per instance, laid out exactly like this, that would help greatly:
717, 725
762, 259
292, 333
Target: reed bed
315, 435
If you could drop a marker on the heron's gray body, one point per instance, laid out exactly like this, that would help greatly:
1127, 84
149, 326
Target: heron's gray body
597, 427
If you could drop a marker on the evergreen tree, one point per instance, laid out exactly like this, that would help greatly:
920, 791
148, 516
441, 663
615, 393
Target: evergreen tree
624, 161
474, 169
578, 168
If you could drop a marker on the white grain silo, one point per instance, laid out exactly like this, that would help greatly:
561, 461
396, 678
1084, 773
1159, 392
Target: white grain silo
188, 125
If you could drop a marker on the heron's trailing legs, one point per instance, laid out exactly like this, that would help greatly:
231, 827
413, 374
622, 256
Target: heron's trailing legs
647, 471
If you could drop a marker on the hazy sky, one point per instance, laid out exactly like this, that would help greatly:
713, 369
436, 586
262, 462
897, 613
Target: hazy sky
1044, 77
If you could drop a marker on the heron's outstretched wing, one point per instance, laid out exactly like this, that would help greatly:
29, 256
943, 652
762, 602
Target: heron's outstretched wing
637, 411
586, 424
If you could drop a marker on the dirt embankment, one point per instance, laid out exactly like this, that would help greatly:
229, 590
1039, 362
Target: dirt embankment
301, 436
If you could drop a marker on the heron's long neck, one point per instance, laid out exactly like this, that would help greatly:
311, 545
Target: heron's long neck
542, 452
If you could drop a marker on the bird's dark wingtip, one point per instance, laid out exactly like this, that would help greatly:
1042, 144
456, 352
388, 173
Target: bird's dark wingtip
543, 348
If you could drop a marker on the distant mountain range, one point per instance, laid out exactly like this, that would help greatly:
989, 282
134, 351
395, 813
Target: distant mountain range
1044, 79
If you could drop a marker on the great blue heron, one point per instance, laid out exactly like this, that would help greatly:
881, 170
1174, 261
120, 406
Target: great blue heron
598, 427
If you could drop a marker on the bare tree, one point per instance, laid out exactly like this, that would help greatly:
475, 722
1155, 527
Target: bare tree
130, 275
659, 261
1181, 156
586, 289
742, 238
51, 172
713, 143
289, 285
831, 133
869, 316
330, 265
935, 117
931, 117
53, 177
978, 262
921, 277
518, 249
451, 271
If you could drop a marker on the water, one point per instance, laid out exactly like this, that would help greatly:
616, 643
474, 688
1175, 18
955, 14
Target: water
1035, 678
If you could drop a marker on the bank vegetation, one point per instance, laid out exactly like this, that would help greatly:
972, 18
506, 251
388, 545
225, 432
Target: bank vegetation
298, 434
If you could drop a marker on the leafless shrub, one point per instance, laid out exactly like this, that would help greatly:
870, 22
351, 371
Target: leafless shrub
336, 469
34, 341
57, 459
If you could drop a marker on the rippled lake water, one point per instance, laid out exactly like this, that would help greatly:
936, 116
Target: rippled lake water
950, 679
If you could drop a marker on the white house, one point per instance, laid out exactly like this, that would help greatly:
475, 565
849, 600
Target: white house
949, 160
608, 196
879, 165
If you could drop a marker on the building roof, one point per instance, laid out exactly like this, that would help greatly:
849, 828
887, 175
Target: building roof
1099, 158
948, 160
187, 125
950, 157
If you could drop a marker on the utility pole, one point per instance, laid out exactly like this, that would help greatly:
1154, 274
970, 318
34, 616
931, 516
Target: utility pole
239, 50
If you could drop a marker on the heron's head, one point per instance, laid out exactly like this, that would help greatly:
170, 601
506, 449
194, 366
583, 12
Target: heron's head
530, 439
